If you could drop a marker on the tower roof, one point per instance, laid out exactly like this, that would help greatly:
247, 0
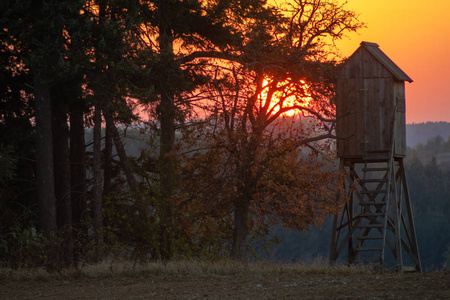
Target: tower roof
375, 50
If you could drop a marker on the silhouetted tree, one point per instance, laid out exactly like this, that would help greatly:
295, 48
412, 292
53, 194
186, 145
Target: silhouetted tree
284, 64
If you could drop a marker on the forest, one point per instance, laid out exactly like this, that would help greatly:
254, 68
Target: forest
428, 173
234, 101
417, 133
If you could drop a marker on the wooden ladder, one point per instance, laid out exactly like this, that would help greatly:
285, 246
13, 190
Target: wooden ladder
377, 214
372, 218
377, 186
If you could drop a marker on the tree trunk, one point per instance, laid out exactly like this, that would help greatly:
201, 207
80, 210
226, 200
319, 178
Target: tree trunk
98, 180
245, 191
107, 169
167, 175
78, 172
121, 152
167, 134
44, 156
240, 232
61, 158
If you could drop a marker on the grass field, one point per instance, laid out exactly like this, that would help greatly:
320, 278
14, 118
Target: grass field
221, 280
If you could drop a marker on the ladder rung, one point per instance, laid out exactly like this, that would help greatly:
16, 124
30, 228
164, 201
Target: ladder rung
372, 203
370, 237
376, 157
372, 180
371, 215
373, 192
369, 226
375, 169
369, 249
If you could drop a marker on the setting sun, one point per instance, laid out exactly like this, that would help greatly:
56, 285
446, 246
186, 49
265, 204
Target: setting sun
286, 95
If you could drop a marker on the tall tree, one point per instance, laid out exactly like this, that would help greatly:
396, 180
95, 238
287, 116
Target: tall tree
78, 170
44, 155
180, 32
285, 64
97, 196
61, 157
47, 35
16, 139
64, 82
112, 50
45, 44
167, 111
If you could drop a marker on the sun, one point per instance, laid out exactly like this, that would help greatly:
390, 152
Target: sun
285, 97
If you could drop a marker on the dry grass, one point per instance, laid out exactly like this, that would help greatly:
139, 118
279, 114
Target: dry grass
113, 268
227, 279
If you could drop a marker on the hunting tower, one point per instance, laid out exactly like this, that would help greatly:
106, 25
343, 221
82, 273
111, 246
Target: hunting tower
370, 111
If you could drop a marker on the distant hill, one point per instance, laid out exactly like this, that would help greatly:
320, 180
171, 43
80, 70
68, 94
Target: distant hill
421, 132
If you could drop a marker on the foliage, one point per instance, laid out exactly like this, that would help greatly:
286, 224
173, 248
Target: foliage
417, 133
22, 247
429, 183
7, 165
237, 65
26, 247
288, 185
285, 65
435, 147
17, 189
428, 178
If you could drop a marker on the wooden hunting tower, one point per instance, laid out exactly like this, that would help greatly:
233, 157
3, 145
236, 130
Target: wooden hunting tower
370, 111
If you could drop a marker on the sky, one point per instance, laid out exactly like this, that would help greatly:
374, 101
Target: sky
415, 34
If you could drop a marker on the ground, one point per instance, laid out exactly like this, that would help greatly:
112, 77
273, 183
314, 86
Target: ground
253, 285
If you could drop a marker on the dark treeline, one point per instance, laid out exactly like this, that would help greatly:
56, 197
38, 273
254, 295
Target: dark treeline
429, 187
428, 167
219, 74
417, 133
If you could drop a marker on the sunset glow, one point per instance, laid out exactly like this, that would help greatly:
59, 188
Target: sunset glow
280, 100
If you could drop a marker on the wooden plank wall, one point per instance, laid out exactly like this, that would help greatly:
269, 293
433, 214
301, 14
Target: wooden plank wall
400, 130
350, 108
378, 114
366, 96
349, 111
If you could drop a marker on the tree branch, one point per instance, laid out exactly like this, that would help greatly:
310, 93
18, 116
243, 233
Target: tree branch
208, 54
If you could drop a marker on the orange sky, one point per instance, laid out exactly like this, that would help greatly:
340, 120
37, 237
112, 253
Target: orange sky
415, 34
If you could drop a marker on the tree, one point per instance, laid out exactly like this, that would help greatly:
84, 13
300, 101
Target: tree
285, 64
37, 31
111, 50
51, 39
429, 189
78, 171
93, 58
178, 32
